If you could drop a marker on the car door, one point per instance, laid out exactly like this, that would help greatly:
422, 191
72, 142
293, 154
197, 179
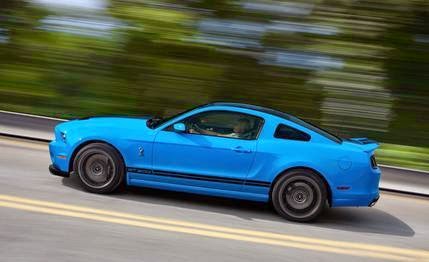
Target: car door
210, 152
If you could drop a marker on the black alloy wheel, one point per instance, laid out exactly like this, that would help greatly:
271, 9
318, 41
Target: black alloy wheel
299, 195
99, 167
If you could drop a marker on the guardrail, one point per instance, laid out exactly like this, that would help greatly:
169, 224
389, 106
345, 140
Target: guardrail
404, 180
27, 126
39, 128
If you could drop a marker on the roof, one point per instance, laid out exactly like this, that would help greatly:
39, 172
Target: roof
262, 109
280, 114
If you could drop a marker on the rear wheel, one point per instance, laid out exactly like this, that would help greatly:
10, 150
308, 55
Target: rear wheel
299, 195
99, 167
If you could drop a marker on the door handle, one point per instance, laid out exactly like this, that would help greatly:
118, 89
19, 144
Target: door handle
240, 149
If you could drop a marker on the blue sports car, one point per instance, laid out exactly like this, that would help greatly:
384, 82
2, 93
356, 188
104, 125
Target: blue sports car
222, 149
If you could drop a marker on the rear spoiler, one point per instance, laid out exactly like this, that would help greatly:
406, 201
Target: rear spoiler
368, 145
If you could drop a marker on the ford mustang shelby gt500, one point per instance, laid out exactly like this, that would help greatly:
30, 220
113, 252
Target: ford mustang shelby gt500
222, 149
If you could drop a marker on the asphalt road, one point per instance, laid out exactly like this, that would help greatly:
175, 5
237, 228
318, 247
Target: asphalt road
48, 218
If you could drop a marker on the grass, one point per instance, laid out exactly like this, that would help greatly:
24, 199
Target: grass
403, 156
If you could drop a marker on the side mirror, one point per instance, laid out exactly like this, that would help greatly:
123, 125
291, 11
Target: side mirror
179, 127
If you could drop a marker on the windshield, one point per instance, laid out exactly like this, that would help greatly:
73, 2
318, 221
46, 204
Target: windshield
157, 121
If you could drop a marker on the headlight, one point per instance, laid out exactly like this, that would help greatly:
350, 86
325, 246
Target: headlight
63, 136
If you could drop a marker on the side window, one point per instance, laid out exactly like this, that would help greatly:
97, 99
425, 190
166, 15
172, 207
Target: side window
287, 132
224, 124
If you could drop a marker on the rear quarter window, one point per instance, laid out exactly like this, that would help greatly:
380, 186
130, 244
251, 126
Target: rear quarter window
290, 133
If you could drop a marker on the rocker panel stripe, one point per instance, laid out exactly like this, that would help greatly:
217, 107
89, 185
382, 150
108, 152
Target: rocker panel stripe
198, 177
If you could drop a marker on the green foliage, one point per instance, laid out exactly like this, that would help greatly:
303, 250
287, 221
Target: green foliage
406, 156
158, 60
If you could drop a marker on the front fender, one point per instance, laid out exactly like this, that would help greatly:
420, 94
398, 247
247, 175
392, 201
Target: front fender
80, 143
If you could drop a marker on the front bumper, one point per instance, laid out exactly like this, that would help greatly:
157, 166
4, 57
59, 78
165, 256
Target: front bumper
59, 155
57, 172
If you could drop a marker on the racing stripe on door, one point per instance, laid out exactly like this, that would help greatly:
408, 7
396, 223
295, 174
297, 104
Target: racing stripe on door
199, 177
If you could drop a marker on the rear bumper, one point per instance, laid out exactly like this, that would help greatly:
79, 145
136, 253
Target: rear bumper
363, 189
57, 172
374, 201
363, 200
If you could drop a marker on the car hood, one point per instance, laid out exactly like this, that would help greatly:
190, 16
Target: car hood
106, 123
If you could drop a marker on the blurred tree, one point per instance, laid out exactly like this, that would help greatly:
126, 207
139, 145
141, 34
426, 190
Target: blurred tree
357, 66
408, 68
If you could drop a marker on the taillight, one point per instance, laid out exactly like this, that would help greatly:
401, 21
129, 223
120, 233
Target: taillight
373, 162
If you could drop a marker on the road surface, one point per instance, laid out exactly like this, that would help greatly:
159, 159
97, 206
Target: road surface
48, 218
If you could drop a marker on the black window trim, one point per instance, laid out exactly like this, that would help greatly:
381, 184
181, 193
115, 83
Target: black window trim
265, 110
283, 124
220, 110
294, 119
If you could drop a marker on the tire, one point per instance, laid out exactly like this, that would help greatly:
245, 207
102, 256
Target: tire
100, 168
299, 195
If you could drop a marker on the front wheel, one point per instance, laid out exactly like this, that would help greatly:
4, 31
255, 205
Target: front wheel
299, 195
99, 167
